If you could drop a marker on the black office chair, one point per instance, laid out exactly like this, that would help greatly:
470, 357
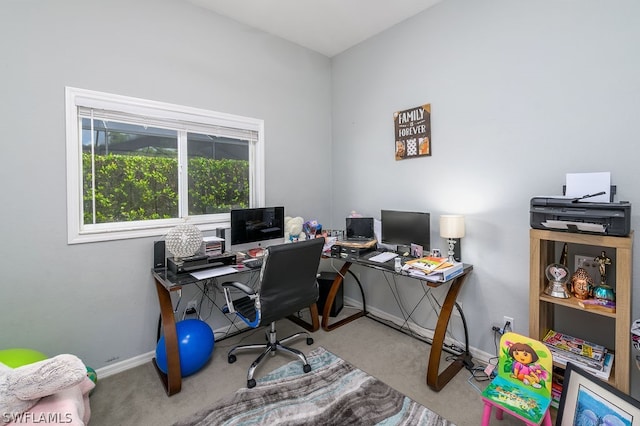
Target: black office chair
287, 285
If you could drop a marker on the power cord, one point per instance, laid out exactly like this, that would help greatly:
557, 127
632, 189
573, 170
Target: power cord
506, 328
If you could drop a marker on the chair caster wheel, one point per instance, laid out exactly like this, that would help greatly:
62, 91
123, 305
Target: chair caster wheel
251, 383
231, 359
306, 368
309, 340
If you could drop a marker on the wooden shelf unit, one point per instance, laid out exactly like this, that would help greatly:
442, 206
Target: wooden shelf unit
541, 306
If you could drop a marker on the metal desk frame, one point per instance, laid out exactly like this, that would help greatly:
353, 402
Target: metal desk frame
435, 380
166, 283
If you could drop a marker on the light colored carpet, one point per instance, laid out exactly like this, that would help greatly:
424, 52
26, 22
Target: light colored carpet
136, 397
333, 393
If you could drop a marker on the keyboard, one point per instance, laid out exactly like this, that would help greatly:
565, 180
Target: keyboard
383, 257
253, 263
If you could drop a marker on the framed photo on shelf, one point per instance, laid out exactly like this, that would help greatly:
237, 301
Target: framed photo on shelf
586, 399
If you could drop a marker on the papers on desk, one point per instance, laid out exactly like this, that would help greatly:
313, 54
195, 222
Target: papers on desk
439, 275
213, 272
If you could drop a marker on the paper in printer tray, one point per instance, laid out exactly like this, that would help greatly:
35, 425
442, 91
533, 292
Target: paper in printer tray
562, 214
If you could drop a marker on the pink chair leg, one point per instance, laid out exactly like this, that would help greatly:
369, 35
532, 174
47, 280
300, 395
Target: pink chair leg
486, 414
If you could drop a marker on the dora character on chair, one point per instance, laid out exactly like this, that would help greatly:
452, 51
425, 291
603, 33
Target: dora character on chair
522, 386
524, 367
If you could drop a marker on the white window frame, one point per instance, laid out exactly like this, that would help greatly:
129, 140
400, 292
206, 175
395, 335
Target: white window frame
76, 98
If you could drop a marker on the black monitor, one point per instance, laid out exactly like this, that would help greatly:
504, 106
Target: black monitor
406, 228
256, 227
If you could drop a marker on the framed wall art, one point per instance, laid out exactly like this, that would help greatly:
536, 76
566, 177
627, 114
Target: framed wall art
412, 132
587, 400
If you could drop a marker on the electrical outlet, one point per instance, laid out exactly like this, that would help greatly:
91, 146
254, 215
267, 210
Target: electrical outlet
588, 264
509, 320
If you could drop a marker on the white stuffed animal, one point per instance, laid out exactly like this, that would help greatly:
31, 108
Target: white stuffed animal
293, 229
21, 388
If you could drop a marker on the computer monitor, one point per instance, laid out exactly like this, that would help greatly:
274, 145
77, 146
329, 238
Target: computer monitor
256, 227
404, 228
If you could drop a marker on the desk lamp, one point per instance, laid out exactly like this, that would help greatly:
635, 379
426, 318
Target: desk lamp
183, 241
452, 228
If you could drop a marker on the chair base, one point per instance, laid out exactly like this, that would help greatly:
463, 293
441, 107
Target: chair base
272, 346
486, 415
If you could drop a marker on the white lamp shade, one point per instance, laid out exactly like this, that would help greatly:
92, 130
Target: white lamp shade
452, 226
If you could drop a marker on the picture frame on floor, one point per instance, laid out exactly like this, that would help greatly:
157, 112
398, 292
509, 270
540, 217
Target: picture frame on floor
588, 400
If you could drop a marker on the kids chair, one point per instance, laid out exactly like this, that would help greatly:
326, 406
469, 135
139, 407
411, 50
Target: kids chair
522, 387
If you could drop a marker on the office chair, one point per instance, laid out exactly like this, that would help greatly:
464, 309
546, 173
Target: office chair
287, 285
522, 387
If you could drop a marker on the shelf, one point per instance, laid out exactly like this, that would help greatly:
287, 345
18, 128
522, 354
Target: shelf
542, 314
612, 375
572, 303
586, 239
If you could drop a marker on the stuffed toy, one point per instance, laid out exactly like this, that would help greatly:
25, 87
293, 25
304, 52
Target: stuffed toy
293, 229
22, 387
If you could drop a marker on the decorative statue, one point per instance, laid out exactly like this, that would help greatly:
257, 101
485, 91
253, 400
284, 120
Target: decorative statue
603, 260
581, 284
603, 291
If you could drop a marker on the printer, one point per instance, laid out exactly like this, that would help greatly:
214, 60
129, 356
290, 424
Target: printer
570, 215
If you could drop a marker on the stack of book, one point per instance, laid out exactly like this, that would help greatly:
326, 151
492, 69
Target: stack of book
557, 380
212, 246
434, 269
591, 357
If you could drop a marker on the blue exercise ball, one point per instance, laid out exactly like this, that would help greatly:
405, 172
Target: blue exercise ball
195, 345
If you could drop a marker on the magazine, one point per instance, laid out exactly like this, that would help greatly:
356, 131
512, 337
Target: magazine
603, 373
583, 352
428, 263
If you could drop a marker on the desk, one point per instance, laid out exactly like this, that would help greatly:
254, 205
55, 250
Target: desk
167, 282
435, 380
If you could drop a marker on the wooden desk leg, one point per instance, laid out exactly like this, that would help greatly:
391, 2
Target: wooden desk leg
434, 380
315, 322
333, 291
172, 381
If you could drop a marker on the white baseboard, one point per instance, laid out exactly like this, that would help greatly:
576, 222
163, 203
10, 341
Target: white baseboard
141, 359
477, 354
125, 365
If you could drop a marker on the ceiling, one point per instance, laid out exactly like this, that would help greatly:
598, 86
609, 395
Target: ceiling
325, 26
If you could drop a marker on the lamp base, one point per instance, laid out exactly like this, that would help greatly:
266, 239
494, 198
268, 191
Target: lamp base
451, 252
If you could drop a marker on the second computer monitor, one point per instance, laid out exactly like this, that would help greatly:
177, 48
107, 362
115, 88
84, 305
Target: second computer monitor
405, 228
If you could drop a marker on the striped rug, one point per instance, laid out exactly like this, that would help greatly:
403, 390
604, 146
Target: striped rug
333, 393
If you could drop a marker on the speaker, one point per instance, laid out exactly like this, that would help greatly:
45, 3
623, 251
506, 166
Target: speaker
159, 254
225, 234
324, 282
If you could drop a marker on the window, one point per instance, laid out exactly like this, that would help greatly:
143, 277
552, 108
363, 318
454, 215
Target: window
136, 167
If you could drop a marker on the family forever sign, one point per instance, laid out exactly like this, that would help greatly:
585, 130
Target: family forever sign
413, 132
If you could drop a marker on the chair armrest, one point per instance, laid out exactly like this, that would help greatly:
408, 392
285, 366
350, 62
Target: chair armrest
240, 286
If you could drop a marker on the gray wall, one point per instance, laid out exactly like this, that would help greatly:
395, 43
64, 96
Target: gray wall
522, 93
98, 300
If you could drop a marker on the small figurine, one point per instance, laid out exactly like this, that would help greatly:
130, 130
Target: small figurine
603, 260
604, 291
581, 284
557, 275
